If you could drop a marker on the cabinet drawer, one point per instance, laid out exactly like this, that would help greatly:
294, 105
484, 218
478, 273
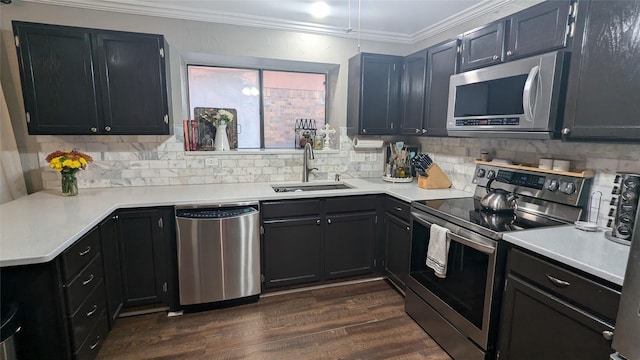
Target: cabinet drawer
93, 343
398, 208
573, 287
351, 203
87, 315
82, 285
79, 254
291, 208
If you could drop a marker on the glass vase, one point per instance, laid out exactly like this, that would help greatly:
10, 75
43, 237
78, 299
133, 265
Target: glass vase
69, 184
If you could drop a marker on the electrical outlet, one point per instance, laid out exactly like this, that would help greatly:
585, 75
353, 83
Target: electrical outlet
211, 162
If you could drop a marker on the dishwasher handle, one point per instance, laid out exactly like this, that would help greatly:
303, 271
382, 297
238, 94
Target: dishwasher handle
215, 213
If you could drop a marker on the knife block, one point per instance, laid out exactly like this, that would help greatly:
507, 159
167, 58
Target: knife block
435, 179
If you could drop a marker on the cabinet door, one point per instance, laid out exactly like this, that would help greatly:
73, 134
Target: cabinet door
373, 94
292, 251
397, 248
604, 79
142, 256
443, 62
413, 88
536, 325
483, 46
60, 95
133, 83
112, 274
538, 29
349, 244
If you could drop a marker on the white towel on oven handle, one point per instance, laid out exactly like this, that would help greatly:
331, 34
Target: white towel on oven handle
438, 250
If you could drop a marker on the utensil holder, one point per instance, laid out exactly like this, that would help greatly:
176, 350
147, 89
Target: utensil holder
435, 179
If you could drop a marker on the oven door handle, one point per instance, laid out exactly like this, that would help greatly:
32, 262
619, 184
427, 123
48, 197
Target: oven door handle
484, 248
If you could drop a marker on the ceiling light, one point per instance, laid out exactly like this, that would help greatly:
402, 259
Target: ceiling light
319, 9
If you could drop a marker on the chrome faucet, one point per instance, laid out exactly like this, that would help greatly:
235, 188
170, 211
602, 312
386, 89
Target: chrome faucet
308, 155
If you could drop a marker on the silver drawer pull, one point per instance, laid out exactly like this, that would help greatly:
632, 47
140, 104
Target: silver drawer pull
90, 279
85, 252
557, 282
96, 344
398, 208
607, 335
93, 310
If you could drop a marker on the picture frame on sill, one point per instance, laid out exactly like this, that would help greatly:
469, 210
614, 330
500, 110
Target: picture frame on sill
206, 130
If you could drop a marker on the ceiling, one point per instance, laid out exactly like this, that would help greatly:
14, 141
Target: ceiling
404, 21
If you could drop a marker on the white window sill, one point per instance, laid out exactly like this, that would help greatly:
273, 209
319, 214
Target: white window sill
258, 152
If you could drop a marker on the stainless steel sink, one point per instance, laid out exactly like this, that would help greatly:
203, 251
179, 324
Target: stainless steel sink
310, 187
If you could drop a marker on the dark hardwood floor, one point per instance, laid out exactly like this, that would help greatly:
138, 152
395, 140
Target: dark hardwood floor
355, 321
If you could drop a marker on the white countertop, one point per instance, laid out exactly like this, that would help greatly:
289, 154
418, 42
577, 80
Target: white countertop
37, 228
590, 252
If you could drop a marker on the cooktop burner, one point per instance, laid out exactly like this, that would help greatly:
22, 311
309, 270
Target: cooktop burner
468, 211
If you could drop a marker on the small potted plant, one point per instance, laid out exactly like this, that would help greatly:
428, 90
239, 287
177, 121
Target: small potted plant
306, 139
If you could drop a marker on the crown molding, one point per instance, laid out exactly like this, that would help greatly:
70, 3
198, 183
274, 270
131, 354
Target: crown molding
146, 8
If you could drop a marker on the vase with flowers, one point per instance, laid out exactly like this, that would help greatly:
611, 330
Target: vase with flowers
221, 120
68, 163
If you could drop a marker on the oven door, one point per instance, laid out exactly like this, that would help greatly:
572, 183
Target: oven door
466, 296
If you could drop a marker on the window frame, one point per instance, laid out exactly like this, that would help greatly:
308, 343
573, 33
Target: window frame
260, 71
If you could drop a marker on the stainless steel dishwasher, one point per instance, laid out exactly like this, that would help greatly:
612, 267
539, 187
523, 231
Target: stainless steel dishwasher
218, 252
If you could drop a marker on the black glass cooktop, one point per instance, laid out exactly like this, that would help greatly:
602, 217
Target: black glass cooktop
461, 211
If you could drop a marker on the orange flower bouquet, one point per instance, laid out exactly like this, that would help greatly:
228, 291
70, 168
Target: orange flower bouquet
68, 163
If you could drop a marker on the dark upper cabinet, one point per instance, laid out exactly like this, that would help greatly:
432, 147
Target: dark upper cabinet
538, 29
483, 46
373, 96
88, 81
443, 62
604, 78
142, 240
414, 72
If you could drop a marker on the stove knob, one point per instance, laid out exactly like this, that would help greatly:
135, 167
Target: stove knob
480, 173
569, 188
553, 185
491, 174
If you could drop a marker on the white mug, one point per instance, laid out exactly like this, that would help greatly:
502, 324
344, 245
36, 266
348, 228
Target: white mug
561, 165
545, 164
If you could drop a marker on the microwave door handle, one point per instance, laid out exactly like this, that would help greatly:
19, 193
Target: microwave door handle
485, 248
527, 93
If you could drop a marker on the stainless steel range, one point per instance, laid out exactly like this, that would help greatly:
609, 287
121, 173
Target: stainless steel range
461, 310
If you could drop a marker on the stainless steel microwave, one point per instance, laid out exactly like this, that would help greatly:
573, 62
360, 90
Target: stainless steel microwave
517, 99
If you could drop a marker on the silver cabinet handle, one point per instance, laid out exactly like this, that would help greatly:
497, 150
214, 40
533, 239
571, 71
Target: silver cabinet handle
607, 335
90, 279
424, 131
85, 252
93, 310
566, 131
557, 282
495, 57
417, 131
94, 129
408, 228
398, 208
318, 221
509, 53
96, 344
107, 128
328, 221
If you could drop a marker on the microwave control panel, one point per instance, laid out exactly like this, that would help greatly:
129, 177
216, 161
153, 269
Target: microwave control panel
498, 121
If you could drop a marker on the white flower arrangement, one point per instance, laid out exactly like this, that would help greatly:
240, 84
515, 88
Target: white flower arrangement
223, 117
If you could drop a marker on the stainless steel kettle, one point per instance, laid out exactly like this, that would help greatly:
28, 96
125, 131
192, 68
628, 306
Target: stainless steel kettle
498, 199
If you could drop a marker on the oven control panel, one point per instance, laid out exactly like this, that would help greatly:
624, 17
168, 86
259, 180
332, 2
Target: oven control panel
570, 190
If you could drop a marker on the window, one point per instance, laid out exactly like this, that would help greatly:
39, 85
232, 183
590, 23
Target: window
267, 102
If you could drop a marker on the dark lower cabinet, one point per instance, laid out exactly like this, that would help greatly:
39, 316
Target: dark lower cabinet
604, 78
111, 262
549, 312
397, 249
349, 241
306, 241
142, 241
